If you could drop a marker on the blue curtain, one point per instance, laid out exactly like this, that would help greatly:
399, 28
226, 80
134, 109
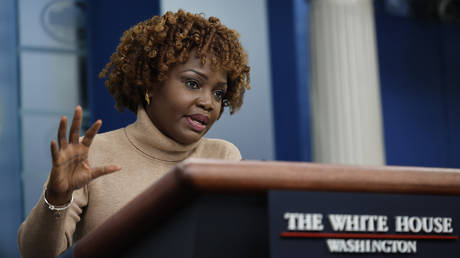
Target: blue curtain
107, 20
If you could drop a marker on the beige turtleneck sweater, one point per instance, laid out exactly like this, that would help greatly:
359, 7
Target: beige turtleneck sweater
143, 153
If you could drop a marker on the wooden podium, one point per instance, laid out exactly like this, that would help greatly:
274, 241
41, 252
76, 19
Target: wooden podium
210, 208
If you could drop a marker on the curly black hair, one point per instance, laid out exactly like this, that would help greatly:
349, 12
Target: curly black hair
151, 48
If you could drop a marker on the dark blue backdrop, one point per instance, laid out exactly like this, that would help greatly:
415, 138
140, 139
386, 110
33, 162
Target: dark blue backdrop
420, 86
107, 20
289, 63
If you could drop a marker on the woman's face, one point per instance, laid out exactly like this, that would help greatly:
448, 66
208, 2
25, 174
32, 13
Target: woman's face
188, 103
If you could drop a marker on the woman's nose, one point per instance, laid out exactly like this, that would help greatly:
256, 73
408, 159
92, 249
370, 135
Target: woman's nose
204, 100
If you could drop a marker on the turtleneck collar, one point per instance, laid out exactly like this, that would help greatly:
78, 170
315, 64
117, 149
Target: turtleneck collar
146, 137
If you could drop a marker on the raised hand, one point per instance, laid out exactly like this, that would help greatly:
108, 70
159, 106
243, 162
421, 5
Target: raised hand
71, 169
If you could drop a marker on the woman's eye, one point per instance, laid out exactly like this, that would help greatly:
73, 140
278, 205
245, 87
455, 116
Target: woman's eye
219, 94
192, 84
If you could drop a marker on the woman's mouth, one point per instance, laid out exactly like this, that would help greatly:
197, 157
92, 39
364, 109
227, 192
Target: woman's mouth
198, 122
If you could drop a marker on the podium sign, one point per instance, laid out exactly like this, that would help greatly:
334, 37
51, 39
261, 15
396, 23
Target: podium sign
334, 224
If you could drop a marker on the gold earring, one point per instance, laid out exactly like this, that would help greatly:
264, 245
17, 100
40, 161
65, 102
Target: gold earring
147, 98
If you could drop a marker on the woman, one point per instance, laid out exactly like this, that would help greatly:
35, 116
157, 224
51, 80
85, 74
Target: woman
177, 72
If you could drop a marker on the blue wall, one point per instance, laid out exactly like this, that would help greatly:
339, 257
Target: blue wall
419, 62
107, 20
289, 61
10, 164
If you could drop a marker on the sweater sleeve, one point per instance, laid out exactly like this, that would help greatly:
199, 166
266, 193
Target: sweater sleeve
43, 234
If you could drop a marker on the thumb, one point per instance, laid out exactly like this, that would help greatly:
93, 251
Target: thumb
104, 170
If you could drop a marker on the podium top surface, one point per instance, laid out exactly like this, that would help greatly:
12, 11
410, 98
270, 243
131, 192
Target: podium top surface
261, 176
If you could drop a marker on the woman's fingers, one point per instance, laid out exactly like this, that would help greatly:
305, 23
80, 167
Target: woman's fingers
54, 151
92, 131
100, 171
62, 141
75, 127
